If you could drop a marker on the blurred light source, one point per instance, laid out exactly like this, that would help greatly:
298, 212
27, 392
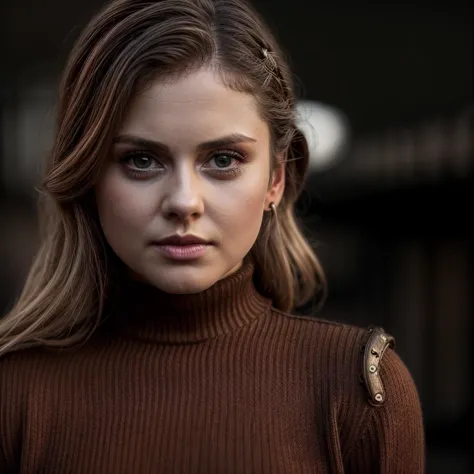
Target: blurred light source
327, 131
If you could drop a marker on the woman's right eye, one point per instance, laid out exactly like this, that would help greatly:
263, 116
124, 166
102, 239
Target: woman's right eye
141, 164
141, 161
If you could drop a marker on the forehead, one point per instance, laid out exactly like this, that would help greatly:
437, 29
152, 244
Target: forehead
197, 105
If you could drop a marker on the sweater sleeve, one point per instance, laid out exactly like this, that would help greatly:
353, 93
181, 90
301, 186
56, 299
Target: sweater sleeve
392, 437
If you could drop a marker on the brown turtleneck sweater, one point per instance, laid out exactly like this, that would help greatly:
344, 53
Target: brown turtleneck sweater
217, 382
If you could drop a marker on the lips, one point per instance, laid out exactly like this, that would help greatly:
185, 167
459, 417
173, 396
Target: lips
183, 247
183, 240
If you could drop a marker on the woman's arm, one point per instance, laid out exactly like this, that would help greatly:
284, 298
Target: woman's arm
392, 439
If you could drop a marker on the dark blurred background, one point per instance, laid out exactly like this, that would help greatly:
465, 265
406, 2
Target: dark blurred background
389, 210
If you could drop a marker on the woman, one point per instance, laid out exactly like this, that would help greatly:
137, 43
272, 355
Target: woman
153, 332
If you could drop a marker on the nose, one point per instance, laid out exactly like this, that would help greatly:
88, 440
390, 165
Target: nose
183, 198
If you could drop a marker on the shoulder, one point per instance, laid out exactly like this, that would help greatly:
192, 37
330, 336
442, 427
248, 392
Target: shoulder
360, 361
332, 348
26, 373
14, 364
21, 371
368, 389
328, 338
32, 377
22, 375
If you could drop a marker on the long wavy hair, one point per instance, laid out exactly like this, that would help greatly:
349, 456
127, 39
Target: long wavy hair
126, 45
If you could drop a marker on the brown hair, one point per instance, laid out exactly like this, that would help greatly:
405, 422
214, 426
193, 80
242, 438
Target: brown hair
127, 44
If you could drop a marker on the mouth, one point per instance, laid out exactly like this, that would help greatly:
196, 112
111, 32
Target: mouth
183, 240
182, 248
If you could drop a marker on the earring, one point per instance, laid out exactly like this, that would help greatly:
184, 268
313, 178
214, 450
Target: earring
273, 209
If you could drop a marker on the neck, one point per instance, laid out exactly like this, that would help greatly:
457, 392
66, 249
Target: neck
149, 314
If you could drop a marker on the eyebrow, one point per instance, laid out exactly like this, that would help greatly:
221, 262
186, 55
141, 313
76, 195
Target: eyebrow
233, 139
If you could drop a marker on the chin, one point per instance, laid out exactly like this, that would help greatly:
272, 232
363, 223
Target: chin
182, 281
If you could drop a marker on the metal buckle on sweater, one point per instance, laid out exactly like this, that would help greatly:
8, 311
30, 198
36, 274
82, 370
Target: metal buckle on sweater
374, 349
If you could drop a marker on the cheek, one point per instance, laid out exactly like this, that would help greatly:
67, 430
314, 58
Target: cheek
121, 205
240, 209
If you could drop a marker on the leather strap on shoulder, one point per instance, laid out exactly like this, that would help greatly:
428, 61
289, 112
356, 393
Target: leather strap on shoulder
374, 349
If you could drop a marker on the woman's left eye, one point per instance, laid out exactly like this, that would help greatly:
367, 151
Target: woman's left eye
223, 160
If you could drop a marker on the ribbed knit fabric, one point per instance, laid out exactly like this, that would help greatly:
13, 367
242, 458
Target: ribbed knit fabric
217, 382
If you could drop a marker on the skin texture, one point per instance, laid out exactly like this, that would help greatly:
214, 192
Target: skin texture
160, 180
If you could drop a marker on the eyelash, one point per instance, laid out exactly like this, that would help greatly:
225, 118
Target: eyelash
229, 172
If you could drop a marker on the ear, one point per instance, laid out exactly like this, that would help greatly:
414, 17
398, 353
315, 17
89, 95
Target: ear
277, 186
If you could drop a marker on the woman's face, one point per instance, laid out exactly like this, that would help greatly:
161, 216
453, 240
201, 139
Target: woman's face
182, 196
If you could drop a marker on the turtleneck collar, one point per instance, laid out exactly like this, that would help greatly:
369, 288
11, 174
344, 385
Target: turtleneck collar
149, 314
